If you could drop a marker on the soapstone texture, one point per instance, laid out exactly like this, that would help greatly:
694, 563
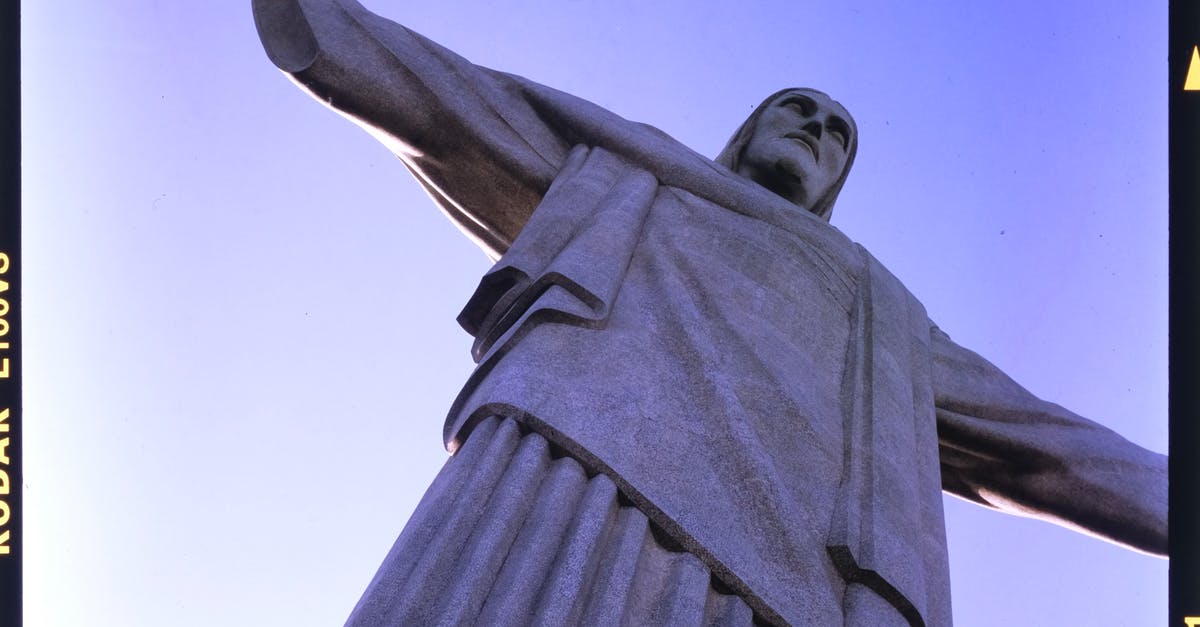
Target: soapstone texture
697, 338
541, 533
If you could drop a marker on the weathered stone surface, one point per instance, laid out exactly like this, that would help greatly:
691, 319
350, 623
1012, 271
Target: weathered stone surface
512, 534
754, 383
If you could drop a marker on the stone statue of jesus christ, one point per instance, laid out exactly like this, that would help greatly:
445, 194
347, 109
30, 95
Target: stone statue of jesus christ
696, 402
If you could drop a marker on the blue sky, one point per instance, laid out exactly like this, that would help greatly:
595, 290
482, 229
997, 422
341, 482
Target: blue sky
239, 308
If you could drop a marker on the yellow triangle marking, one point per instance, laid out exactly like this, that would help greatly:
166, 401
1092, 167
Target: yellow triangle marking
1192, 83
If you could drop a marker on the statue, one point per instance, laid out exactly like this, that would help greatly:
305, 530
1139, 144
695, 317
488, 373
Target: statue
695, 400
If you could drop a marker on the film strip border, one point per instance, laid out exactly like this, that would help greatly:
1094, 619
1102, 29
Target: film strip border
11, 554
1184, 102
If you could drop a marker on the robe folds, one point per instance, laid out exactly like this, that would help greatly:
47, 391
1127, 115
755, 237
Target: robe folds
762, 391
759, 388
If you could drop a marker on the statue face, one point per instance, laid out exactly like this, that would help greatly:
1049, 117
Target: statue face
799, 147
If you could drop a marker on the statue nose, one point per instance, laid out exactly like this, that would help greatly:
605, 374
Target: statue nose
813, 128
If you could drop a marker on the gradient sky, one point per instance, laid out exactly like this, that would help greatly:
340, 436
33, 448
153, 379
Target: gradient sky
239, 308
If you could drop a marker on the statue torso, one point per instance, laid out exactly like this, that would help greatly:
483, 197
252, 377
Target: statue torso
695, 353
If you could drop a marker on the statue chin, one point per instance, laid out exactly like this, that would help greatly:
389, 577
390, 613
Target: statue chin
786, 179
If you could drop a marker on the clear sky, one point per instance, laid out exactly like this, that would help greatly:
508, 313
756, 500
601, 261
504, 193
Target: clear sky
239, 308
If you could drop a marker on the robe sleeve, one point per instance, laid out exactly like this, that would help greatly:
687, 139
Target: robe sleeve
469, 134
1002, 447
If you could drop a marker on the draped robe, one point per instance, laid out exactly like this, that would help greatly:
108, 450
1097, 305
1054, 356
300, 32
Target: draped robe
757, 384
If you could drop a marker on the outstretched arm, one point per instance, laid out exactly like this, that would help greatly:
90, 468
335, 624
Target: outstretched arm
467, 133
1004, 448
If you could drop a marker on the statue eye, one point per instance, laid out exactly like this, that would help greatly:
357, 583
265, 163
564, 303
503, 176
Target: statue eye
838, 127
804, 106
838, 136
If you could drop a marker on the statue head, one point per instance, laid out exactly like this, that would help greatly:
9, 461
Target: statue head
799, 143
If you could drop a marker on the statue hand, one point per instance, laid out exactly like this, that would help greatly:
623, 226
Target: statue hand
285, 30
